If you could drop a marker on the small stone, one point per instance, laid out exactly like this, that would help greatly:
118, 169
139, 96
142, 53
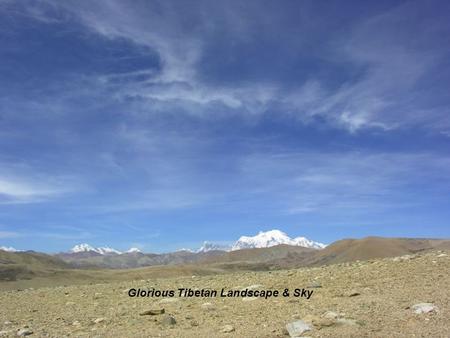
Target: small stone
70, 303
314, 285
330, 315
99, 320
402, 258
76, 323
7, 322
4, 333
353, 294
194, 323
24, 332
168, 300
208, 307
346, 321
168, 320
424, 308
295, 329
323, 322
227, 329
253, 287
152, 312
249, 299
442, 255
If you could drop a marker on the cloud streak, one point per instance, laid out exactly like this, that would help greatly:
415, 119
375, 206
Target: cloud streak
383, 96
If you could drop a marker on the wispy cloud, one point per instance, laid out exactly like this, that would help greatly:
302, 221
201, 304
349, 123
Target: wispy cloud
384, 95
22, 184
348, 182
9, 234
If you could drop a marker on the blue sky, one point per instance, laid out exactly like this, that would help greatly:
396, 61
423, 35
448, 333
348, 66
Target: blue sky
160, 124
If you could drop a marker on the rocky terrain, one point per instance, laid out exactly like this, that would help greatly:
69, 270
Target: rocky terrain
404, 296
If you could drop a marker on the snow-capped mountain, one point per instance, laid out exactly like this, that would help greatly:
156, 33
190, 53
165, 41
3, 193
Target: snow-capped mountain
133, 250
88, 248
9, 249
82, 248
272, 238
261, 240
208, 246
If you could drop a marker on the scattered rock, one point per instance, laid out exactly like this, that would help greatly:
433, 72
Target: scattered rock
346, 321
314, 285
323, 322
424, 308
442, 255
402, 258
353, 294
152, 312
249, 299
99, 320
330, 315
208, 307
227, 329
4, 333
194, 323
295, 329
168, 300
24, 332
76, 323
168, 320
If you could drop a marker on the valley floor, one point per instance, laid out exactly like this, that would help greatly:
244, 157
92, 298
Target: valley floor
361, 299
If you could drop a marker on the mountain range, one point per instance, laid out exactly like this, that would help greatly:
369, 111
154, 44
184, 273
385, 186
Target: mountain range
273, 238
29, 265
79, 248
261, 240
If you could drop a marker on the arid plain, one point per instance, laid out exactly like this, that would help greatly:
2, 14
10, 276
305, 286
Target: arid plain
403, 296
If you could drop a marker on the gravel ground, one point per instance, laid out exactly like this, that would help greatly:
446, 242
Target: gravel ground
362, 299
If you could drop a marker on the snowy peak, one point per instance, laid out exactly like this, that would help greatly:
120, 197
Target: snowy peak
208, 246
302, 241
9, 249
107, 250
133, 250
84, 247
272, 238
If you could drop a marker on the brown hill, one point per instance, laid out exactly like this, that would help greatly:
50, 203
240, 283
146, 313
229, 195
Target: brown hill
26, 265
348, 250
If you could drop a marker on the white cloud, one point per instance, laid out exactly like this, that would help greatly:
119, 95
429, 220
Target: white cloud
21, 184
383, 96
9, 234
